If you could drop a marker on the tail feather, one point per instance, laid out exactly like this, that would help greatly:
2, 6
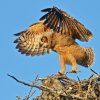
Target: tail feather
89, 57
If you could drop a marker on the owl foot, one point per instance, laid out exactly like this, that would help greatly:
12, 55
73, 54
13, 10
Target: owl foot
59, 75
74, 71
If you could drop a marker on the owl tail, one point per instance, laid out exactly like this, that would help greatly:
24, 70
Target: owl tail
88, 58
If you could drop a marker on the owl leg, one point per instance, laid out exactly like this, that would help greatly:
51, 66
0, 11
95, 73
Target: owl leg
74, 64
62, 62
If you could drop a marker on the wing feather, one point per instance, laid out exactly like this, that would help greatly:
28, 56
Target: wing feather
62, 22
29, 41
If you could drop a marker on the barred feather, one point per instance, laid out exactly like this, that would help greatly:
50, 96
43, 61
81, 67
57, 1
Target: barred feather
88, 57
29, 41
61, 21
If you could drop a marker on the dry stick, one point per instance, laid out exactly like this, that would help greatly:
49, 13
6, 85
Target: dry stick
27, 97
79, 84
76, 97
36, 79
79, 81
97, 75
44, 88
90, 77
20, 81
90, 83
94, 71
18, 98
89, 86
30, 94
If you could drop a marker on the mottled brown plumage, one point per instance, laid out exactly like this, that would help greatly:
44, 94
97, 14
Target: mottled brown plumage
40, 38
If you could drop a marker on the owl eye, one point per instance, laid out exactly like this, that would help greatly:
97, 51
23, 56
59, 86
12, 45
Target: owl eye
44, 39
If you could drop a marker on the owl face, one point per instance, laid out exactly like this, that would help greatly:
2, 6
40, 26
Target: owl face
45, 40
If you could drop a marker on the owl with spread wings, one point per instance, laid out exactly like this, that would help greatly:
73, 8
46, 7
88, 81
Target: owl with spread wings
57, 31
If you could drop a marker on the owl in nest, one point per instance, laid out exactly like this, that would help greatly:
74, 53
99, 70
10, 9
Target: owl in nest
57, 31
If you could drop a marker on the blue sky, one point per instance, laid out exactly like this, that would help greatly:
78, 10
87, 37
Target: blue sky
17, 15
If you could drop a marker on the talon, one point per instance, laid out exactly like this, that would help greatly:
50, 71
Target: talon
60, 75
74, 71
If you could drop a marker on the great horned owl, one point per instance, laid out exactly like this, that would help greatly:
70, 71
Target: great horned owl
57, 32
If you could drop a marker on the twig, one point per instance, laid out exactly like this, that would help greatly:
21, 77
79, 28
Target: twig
18, 98
20, 81
30, 94
27, 97
42, 79
36, 78
90, 77
97, 75
79, 79
89, 86
94, 72
77, 97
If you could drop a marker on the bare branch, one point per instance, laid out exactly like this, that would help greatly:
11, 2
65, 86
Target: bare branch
94, 72
20, 81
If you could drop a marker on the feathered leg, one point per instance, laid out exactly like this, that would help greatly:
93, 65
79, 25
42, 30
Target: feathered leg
74, 64
62, 62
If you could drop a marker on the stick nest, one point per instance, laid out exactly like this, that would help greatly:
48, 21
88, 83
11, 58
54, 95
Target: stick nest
68, 89
63, 88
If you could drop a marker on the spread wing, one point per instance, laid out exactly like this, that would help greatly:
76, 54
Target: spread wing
60, 21
34, 40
